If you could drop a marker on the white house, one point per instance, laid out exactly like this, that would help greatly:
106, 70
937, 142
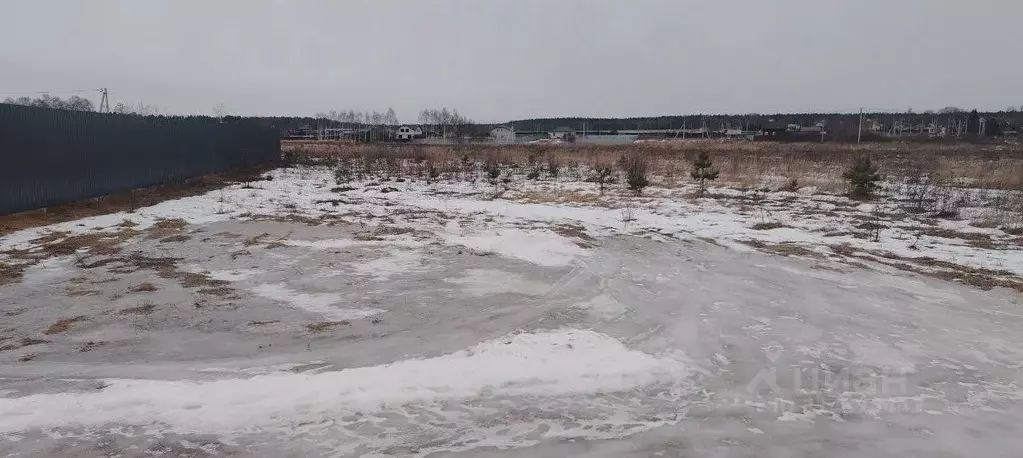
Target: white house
503, 134
409, 132
563, 133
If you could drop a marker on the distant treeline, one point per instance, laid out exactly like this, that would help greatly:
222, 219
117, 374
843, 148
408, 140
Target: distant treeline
948, 121
834, 122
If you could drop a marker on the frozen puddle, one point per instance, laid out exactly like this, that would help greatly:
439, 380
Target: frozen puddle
319, 303
396, 261
328, 244
539, 247
604, 306
570, 369
483, 282
235, 274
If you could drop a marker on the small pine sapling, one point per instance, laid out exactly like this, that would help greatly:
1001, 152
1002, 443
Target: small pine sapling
603, 172
635, 174
703, 171
862, 178
493, 171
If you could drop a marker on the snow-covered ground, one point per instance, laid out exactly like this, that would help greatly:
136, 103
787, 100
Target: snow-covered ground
294, 316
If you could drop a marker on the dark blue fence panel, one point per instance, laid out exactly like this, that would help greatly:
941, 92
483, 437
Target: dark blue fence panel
50, 157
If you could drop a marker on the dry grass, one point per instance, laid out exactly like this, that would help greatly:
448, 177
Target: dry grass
11, 273
985, 279
143, 288
167, 267
380, 232
91, 243
982, 278
784, 249
9, 343
766, 226
144, 308
79, 292
576, 233
166, 228
63, 325
747, 164
56, 243
175, 238
326, 325
220, 291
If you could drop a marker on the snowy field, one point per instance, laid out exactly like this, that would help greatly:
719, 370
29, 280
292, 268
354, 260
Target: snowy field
297, 316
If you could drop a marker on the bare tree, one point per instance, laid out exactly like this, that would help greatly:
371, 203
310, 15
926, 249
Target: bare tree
143, 109
74, 102
79, 104
220, 110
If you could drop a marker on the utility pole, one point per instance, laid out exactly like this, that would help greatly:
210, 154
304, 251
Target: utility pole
859, 130
104, 102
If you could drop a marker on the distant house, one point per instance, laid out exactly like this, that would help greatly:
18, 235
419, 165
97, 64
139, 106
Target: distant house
503, 134
406, 133
563, 133
773, 128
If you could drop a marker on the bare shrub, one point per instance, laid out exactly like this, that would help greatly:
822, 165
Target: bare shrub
431, 170
628, 214
343, 172
949, 200
552, 165
493, 170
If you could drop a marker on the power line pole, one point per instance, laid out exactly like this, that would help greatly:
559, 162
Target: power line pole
859, 130
104, 102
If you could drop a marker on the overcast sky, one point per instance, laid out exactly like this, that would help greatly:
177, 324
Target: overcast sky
496, 60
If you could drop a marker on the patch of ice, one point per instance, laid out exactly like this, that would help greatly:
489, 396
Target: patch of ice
483, 282
319, 303
880, 354
808, 415
326, 244
539, 247
397, 261
565, 362
234, 275
603, 306
49, 271
259, 370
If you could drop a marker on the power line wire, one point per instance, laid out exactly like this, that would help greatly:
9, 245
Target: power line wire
51, 92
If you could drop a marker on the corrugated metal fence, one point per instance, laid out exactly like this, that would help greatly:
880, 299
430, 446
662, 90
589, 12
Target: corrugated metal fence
49, 157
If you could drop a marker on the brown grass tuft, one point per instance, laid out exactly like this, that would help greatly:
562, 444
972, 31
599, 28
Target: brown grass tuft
144, 308
63, 325
767, 226
11, 273
143, 288
326, 325
166, 228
